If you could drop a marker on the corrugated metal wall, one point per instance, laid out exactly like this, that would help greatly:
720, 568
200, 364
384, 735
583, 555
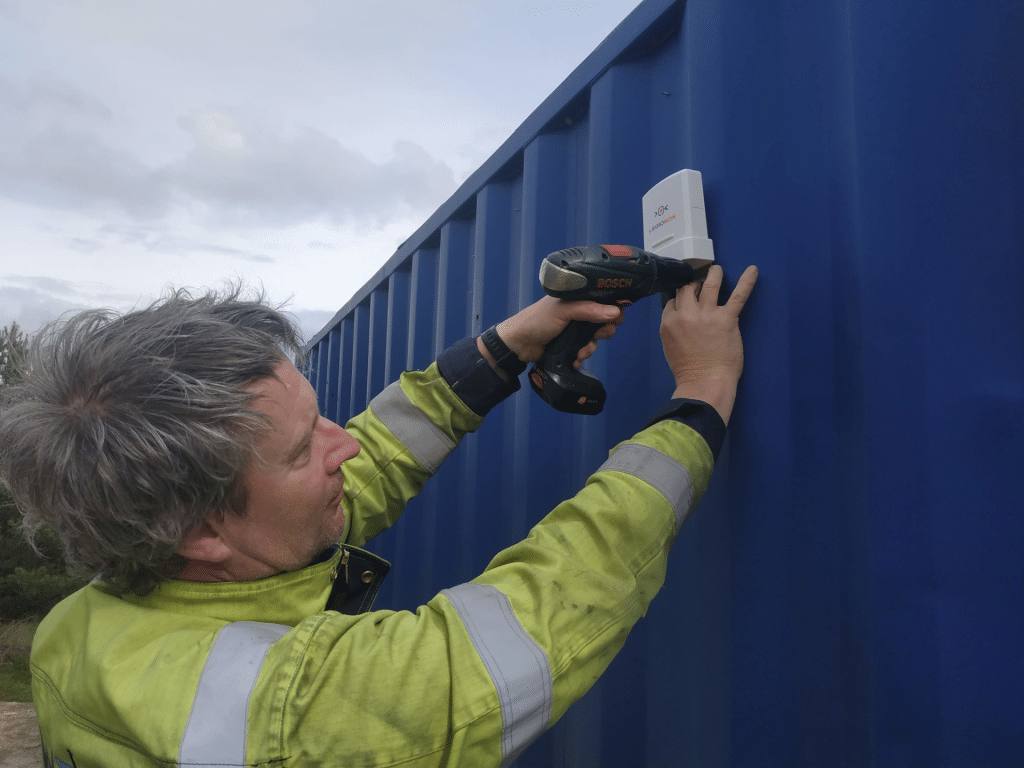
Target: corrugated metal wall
851, 591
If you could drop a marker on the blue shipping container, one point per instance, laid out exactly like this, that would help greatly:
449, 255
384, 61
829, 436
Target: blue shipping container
851, 590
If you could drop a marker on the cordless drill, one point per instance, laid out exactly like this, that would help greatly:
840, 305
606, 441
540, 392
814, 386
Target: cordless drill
609, 274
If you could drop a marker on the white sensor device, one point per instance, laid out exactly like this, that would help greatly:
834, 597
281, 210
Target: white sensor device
675, 226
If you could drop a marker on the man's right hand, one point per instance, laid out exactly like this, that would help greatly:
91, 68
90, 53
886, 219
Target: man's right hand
529, 331
702, 340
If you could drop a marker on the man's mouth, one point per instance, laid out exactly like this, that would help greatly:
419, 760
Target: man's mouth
336, 499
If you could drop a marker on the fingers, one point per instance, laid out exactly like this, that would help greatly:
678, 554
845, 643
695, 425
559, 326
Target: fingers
591, 312
741, 292
689, 295
529, 331
595, 313
585, 351
606, 331
705, 293
610, 316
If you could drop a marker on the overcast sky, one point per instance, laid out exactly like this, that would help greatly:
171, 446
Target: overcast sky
294, 144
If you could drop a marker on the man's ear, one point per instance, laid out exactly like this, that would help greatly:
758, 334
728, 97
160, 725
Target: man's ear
204, 544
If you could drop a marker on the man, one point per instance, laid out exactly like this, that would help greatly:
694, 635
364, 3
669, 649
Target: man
180, 456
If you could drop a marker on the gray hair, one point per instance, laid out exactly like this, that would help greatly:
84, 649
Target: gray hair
128, 431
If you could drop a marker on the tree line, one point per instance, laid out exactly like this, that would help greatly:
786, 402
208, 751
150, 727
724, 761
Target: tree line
32, 580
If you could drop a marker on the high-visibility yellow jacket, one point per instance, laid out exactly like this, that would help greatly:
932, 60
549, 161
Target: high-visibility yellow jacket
259, 674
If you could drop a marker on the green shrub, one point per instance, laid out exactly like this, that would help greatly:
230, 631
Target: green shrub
16, 680
31, 582
15, 674
25, 593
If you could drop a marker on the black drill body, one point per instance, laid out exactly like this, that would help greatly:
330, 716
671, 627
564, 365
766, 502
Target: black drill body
609, 274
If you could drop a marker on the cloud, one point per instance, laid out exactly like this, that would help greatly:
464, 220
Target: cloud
246, 169
556, 8
85, 244
93, 293
32, 302
59, 148
31, 309
177, 245
54, 152
47, 285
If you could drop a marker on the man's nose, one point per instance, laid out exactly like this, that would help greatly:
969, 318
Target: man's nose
342, 447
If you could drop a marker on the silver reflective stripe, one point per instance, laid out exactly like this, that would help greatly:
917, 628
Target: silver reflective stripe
518, 666
420, 436
217, 726
667, 475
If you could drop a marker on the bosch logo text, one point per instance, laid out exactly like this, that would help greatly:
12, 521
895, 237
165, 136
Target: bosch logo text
613, 283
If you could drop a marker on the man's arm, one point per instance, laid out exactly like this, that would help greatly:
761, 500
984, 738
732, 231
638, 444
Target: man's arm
588, 571
413, 425
501, 658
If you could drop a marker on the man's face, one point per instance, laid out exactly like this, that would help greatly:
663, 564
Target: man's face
295, 483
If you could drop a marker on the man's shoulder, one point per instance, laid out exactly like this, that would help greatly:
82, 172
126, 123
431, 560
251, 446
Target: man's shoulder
97, 618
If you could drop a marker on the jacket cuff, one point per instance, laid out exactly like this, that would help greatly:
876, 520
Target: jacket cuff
471, 377
697, 415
